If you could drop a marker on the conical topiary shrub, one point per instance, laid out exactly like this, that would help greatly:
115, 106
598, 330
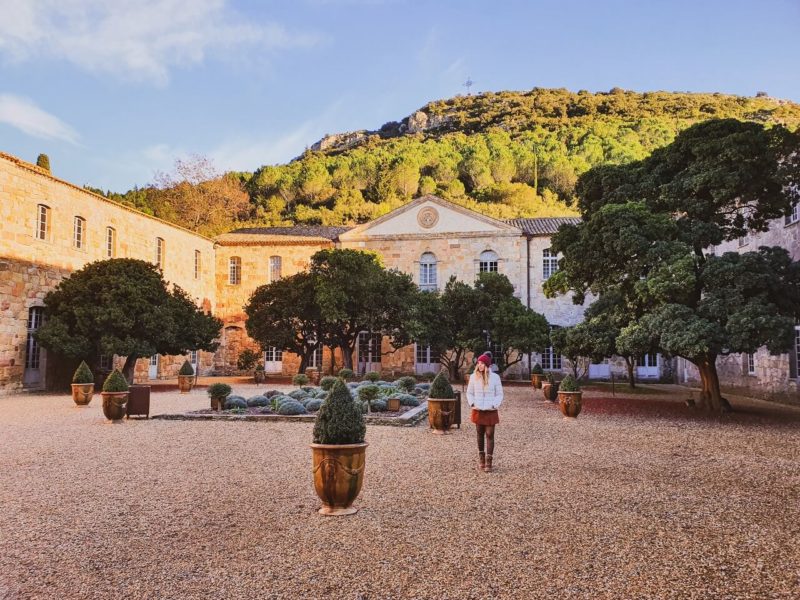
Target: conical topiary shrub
441, 404
186, 369
115, 396
83, 374
339, 451
186, 377
441, 388
340, 420
115, 382
82, 385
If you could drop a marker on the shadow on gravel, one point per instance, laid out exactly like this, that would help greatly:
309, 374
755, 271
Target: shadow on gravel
673, 409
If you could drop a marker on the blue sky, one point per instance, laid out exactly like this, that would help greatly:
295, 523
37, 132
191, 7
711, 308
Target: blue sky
115, 91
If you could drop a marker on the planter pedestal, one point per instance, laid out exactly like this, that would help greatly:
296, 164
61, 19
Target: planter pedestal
536, 381
441, 412
338, 475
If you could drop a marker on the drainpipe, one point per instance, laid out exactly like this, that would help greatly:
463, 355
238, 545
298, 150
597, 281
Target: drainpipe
528, 284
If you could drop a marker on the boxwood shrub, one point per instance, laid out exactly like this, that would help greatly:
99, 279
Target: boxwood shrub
115, 382
234, 402
300, 379
186, 368
340, 419
291, 408
326, 383
83, 374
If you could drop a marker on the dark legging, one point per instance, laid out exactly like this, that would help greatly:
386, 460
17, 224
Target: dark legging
488, 431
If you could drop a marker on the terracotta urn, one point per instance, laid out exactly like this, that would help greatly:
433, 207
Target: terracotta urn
440, 414
185, 383
114, 404
82, 393
259, 376
338, 475
550, 390
536, 380
393, 404
570, 403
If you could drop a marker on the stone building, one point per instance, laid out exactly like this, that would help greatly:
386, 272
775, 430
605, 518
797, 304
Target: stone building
50, 227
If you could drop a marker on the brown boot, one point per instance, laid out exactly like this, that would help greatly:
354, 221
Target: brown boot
488, 467
481, 461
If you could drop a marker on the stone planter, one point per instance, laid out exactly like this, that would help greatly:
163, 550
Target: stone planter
441, 412
114, 405
550, 390
393, 404
536, 380
338, 475
570, 403
313, 375
82, 393
260, 377
185, 383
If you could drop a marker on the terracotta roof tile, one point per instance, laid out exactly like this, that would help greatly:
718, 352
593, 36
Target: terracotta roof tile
544, 225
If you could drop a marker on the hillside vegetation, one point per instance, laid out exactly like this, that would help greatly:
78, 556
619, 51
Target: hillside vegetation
505, 154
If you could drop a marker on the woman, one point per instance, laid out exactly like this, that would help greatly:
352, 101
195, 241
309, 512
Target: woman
484, 395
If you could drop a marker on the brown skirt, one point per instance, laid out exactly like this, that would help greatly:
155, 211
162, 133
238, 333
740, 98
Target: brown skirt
484, 417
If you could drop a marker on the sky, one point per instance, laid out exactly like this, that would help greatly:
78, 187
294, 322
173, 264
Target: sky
116, 91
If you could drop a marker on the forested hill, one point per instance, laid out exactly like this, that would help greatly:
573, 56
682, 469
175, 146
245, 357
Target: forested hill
505, 154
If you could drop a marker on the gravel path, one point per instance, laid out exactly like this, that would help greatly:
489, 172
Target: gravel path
633, 500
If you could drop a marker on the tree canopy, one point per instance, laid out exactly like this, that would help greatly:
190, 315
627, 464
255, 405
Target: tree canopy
646, 236
123, 306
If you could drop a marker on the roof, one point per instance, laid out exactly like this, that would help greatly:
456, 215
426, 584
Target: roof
315, 231
543, 225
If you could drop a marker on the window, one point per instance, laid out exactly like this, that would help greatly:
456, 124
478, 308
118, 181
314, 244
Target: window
79, 233
549, 264
42, 222
197, 264
794, 216
648, 360
160, 253
111, 242
274, 268
794, 356
427, 356
193, 357
33, 352
273, 355
427, 272
369, 347
744, 240
106, 362
488, 262
235, 270
751, 364
551, 360
316, 358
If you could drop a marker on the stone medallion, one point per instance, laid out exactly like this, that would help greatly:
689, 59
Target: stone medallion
428, 217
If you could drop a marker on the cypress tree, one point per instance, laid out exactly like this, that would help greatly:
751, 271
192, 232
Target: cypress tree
43, 161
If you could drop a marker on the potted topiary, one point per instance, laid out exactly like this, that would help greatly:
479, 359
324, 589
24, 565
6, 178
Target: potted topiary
82, 385
339, 451
346, 374
300, 379
186, 377
259, 375
550, 388
569, 397
441, 404
115, 396
218, 392
537, 374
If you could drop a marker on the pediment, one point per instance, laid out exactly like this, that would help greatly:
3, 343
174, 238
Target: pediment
426, 216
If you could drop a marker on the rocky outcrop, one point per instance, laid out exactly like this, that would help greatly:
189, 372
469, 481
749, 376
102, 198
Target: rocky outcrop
341, 141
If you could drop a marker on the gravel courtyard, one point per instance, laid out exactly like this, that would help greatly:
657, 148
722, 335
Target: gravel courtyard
641, 499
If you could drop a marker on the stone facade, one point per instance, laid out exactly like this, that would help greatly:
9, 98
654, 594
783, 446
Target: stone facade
30, 267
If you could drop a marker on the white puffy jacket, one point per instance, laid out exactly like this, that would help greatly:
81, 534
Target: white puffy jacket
489, 397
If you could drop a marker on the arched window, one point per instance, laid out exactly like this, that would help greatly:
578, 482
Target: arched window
488, 262
427, 272
235, 270
79, 233
275, 265
42, 222
197, 264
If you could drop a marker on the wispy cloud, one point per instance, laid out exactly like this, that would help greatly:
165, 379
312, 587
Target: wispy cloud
140, 40
24, 115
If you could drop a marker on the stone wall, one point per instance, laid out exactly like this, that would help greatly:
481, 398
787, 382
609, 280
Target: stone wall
30, 267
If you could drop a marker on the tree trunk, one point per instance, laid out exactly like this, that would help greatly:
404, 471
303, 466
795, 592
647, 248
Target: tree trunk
303, 363
347, 356
332, 350
629, 363
129, 368
710, 393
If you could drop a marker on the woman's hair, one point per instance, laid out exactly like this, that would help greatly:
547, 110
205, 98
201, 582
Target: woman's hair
484, 375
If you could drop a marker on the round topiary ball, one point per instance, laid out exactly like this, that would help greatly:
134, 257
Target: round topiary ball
235, 402
367, 393
326, 383
257, 400
406, 384
292, 408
